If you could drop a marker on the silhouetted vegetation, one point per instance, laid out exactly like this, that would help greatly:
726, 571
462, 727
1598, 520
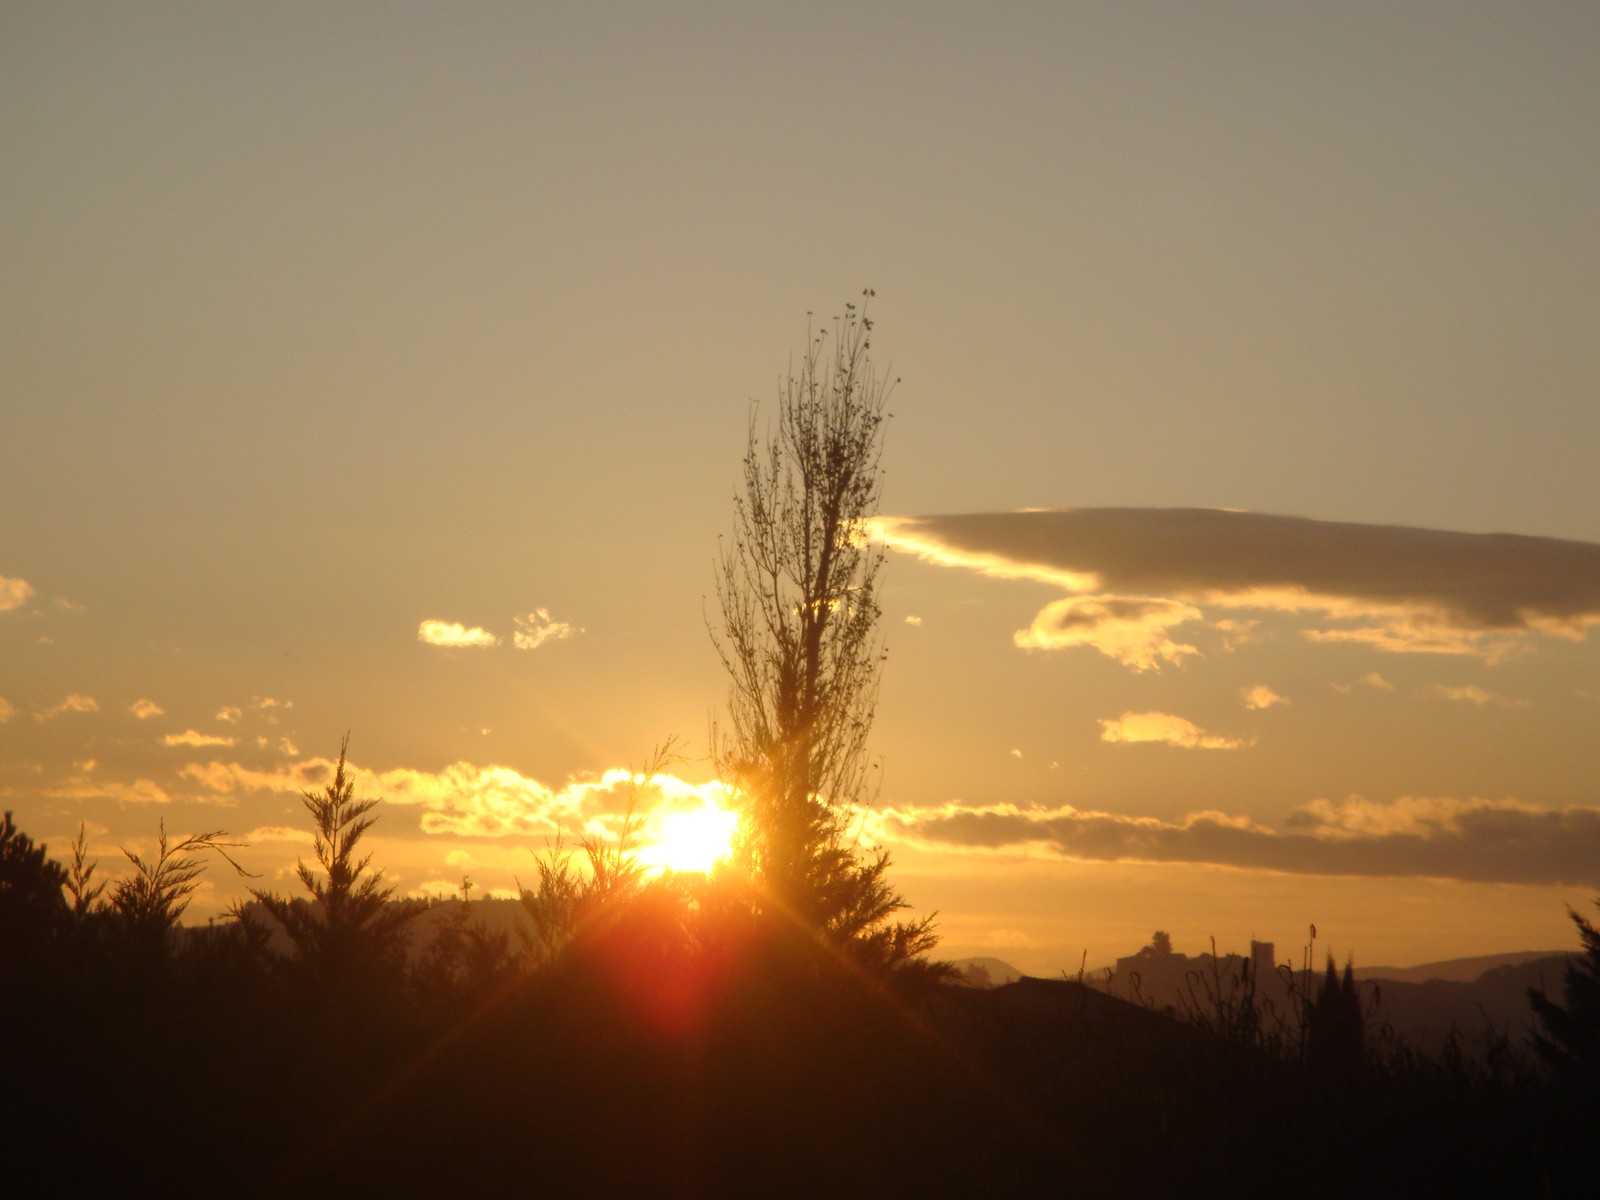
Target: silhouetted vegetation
797, 597
1569, 1037
677, 1040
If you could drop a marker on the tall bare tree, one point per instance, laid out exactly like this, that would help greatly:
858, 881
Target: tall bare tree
797, 594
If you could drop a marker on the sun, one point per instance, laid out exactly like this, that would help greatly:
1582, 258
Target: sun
692, 840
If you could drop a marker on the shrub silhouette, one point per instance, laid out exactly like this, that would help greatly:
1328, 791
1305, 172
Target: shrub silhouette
349, 935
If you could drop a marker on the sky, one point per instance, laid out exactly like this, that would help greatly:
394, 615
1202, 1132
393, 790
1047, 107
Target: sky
386, 370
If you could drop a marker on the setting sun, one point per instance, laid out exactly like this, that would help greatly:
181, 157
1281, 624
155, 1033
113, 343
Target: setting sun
693, 840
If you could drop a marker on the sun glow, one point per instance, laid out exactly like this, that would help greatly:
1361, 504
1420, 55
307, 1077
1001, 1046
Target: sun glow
691, 841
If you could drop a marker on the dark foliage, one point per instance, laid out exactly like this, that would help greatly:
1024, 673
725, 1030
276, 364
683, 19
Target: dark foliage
1569, 1037
685, 1043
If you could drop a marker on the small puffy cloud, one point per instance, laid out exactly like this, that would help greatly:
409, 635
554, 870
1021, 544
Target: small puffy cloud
539, 627
230, 715
287, 748
913, 620
1163, 728
1471, 693
74, 703
454, 634
1015, 753
14, 593
7, 710
1374, 680
191, 737
145, 709
1130, 629
1261, 696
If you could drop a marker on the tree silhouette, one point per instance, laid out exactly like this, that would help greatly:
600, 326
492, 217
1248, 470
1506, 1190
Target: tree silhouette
797, 594
1336, 1026
348, 931
33, 909
1569, 1035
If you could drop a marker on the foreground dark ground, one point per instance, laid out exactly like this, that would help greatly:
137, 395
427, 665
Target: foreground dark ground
754, 1064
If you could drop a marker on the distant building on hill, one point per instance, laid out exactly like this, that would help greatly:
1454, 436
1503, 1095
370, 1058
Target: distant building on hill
1162, 977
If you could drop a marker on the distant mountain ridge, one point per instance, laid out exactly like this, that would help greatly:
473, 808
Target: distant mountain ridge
1456, 970
987, 972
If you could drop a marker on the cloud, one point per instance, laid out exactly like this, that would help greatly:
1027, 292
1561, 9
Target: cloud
539, 627
1471, 693
1374, 680
14, 593
1237, 631
81, 787
145, 709
1391, 588
1164, 728
1130, 629
1477, 840
470, 800
449, 633
7, 710
190, 737
230, 715
279, 833
74, 703
1261, 696
913, 620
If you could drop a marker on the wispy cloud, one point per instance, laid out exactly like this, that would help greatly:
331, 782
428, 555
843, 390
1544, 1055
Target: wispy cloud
191, 737
279, 833
1504, 841
14, 593
145, 709
1261, 696
539, 627
140, 791
454, 634
1164, 728
1391, 588
229, 714
1471, 693
7, 710
74, 703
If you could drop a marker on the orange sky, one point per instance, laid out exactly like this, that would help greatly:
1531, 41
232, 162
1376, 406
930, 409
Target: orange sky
387, 369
